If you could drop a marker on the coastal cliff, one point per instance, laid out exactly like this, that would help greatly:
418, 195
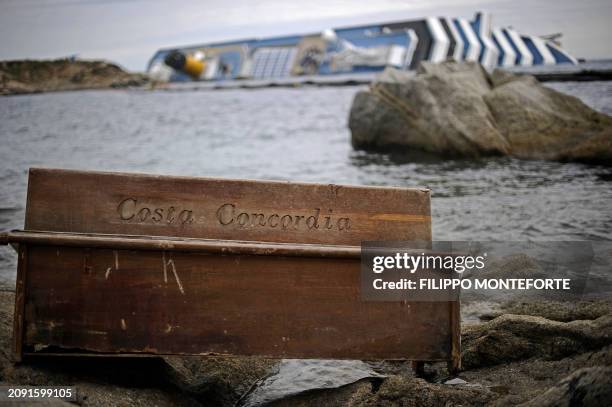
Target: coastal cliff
29, 76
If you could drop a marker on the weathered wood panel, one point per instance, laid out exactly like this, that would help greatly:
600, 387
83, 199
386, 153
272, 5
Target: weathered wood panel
217, 266
192, 303
93, 202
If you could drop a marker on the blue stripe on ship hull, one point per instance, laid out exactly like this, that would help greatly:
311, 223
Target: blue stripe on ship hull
476, 27
560, 58
466, 43
502, 54
519, 56
537, 57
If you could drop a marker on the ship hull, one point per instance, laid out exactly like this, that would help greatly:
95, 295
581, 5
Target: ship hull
359, 50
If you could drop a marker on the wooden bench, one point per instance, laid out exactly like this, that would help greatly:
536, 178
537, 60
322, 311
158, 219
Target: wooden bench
114, 263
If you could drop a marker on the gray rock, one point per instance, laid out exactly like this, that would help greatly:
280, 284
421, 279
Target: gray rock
410, 391
455, 382
458, 109
295, 377
440, 110
541, 123
585, 387
516, 337
349, 395
221, 381
563, 311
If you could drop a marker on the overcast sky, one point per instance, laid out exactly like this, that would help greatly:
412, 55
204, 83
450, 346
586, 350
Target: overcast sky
130, 31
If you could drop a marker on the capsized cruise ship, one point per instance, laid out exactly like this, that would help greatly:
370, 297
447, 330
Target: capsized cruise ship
359, 49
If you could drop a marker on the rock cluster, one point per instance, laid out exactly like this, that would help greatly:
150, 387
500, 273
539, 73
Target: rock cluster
460, 110
25, 76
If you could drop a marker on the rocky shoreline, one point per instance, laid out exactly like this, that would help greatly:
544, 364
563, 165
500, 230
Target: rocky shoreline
527, 353
29, 76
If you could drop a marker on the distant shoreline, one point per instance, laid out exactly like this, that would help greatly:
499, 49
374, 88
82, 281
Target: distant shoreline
38, 76
20, 77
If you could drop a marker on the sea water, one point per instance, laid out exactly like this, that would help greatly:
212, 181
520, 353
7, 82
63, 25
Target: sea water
300, 135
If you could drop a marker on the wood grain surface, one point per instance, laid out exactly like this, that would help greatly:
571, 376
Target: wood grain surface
217, 267
91, 202
191, 303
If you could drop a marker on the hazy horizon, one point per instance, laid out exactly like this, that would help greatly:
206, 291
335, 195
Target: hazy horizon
129, 32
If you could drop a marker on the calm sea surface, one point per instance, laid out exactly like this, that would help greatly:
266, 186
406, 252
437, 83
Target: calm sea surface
293, 134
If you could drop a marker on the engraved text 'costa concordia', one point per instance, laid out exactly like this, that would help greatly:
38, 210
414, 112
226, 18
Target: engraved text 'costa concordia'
228, 214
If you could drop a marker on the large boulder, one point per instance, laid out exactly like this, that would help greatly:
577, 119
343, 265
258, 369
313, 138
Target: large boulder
458, 109
541, 123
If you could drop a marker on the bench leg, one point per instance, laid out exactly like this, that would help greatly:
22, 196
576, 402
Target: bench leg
453, 368
419, 368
